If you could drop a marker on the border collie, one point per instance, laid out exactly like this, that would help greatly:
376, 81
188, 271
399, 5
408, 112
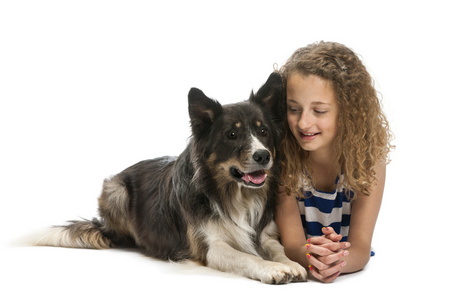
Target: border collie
213, 204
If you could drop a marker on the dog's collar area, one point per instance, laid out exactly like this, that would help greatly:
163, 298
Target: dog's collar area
255, 179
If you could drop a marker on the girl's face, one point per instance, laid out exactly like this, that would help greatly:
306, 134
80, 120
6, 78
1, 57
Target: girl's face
312, 111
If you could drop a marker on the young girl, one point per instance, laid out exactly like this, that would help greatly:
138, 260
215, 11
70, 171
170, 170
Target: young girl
335, 154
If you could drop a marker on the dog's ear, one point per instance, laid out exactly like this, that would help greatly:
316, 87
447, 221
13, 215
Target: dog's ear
203, 111
270, 97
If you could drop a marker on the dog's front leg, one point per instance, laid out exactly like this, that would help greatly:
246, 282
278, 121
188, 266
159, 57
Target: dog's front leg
223, 257
274, 251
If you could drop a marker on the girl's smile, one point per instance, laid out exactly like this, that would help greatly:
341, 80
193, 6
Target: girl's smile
308, 136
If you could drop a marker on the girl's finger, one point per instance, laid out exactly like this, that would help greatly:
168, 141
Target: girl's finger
319, 240
331, 234
318, 250
333, 258
337, 246
327, 273
321, 277
328, 244
318, 262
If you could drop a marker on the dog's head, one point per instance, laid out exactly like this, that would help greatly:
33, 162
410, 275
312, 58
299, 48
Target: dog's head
236, 143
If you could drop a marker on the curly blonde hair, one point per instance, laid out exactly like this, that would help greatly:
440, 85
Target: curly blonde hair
363, 139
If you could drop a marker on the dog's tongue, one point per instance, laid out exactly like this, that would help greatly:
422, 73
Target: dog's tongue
257, 177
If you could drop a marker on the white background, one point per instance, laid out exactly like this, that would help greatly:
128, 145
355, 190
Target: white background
88, 88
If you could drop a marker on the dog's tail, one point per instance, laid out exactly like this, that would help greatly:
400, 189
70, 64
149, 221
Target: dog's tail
77, 234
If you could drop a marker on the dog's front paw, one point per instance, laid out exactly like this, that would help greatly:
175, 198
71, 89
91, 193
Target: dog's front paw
299, 273
278, 273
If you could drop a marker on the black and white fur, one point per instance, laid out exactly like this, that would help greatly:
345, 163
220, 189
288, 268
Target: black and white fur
213, 204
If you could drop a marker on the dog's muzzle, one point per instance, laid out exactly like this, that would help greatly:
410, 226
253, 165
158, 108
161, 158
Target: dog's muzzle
255, 176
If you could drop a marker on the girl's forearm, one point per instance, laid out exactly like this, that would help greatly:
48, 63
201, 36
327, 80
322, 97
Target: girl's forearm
356, 260
298, 254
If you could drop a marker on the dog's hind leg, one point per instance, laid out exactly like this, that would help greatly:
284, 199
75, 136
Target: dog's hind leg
112, 229
114, 210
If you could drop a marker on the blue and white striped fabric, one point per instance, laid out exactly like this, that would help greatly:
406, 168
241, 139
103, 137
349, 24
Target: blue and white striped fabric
320, 209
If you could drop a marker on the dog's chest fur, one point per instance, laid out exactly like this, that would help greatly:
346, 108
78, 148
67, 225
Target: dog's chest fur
237, 223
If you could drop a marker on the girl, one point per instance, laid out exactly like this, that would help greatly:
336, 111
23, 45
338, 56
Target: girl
335, 154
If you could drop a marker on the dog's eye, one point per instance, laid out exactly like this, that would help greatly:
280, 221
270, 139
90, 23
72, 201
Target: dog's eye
263, 132
231, 135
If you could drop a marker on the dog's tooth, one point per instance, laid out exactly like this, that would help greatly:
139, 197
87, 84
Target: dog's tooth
246, 178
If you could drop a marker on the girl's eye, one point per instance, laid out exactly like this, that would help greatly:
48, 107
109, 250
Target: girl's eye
231, 135
320, 112
293, 109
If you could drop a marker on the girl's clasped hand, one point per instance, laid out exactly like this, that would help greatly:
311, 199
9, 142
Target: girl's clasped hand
326, 255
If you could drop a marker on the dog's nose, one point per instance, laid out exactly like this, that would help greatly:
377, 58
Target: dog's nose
262, 157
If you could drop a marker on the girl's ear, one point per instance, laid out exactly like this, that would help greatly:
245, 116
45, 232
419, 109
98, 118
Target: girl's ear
203, 111
271, 98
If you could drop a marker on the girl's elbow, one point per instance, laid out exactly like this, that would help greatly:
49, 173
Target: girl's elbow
356, 262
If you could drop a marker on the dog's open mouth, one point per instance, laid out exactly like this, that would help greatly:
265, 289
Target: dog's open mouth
256, 178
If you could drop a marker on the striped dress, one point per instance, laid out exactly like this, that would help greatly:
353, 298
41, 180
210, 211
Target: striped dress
320, 209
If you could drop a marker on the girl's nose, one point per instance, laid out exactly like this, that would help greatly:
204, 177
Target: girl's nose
305, 121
